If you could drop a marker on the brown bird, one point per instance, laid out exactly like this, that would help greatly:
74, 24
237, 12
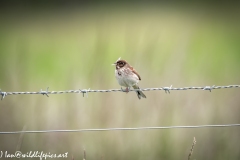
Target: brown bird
127, 76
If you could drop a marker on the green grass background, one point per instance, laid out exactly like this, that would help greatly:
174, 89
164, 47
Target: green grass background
74, 48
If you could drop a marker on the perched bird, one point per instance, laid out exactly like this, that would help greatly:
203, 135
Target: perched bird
127, 76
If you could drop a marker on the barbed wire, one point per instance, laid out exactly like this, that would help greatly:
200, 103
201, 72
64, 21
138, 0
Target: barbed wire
123, 129
86, 91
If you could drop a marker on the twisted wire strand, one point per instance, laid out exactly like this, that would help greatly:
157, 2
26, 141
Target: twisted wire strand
123, 129
85, 91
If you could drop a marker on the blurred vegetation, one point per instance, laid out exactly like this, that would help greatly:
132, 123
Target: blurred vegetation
74, 48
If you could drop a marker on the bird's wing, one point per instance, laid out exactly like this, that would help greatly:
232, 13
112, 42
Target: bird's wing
135, 72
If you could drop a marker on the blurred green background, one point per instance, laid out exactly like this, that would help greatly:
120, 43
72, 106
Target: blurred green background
73, 47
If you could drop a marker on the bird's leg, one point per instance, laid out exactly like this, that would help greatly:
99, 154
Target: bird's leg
126, 90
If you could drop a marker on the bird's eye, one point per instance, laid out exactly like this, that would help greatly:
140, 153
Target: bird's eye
121, 63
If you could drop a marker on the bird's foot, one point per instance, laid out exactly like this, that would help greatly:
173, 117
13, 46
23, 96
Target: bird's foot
126, 90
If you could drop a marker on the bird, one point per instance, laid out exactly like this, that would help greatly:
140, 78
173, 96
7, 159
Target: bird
127, 76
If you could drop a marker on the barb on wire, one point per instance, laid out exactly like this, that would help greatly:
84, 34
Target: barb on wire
167, 89
86, 91
123, 129
3, 94
44, 92
209, 88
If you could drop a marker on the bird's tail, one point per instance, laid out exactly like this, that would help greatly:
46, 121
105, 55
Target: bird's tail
139, 93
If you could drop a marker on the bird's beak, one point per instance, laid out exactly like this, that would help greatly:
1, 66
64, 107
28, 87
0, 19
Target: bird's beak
114, 64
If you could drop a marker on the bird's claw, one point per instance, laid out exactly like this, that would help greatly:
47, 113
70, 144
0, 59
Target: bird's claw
126, 90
